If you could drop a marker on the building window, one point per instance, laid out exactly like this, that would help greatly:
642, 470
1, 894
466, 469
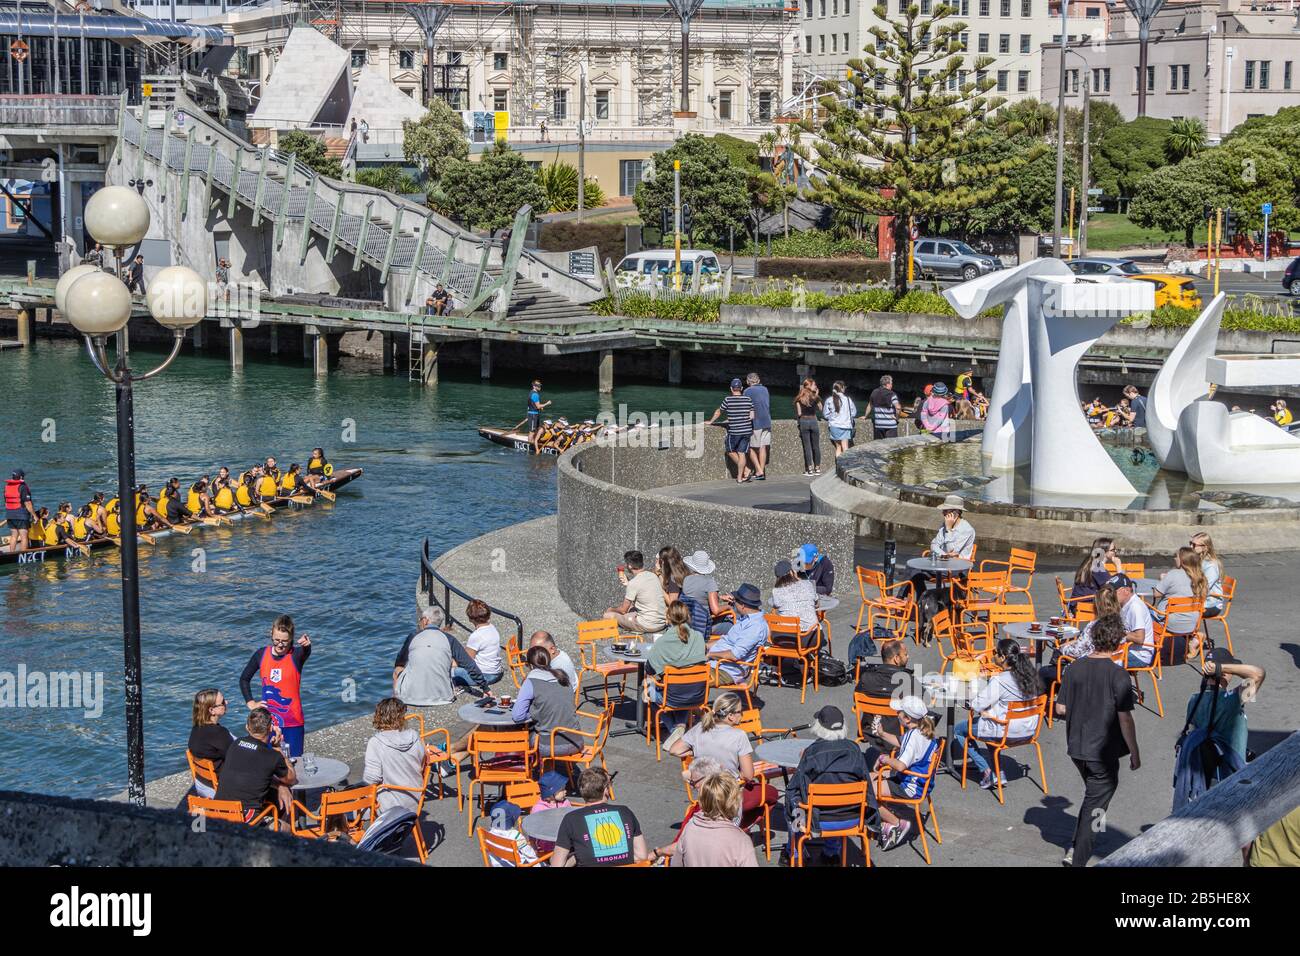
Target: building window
965, 8
1073, 77
846, 7
965, 41
1151, 78
500, 100
1026, 43
846, 43
724, 104
835, 43
821, 43
1002, 80
1004, 9
925, 7
984, 8
807, 10
358, 59
629, 176
1026, 8
1022, 81
406, 59
1094, 13
1004, 42
1264, 66
765, 106
807, 43
821, 8
835, 8
500, 61
1250, 74
1286, 75
1187, 76
602, 104
1173, 76
982, 43
559, 105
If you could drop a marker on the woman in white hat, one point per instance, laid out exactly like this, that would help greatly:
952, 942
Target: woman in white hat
699, 584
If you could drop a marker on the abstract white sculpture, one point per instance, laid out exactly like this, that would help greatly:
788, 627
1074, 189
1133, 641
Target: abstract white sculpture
1050, 319
1180, 382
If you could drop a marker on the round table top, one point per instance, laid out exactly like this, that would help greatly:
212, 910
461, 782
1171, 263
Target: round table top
941, 565
827, 603
1021, 632
494, 716
608, 653
783, 753
325, 772
944, 690
544, 824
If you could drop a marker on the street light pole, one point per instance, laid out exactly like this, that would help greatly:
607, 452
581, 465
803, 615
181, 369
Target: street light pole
1082, 248
1060, 137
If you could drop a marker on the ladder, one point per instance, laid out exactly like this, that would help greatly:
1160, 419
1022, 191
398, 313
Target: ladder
415, 349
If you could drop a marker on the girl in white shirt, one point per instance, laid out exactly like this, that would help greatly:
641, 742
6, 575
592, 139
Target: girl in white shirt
839, 412
484, 645
1018, 681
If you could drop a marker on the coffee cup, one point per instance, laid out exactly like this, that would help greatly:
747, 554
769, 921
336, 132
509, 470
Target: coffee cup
505, 700
1056, 622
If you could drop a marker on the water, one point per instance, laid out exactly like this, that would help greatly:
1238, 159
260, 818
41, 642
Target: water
346, 572
1158, 490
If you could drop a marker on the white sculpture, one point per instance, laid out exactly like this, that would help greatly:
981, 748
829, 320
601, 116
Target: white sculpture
1050, 319
1180, 382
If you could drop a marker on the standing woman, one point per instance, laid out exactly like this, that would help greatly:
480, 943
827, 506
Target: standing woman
1212, 565
839, 412
805, 410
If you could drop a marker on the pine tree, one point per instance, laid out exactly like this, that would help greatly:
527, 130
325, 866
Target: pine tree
915, 119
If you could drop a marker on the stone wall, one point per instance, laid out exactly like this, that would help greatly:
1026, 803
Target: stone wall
605, 508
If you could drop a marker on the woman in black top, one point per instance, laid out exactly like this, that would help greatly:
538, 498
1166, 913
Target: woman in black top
805, 410
208, 739
1093, 571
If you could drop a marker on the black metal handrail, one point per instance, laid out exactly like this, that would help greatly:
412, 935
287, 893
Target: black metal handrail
431, 580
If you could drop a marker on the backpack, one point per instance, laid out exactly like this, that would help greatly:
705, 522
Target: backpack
863, 646
831, 671
1201, 757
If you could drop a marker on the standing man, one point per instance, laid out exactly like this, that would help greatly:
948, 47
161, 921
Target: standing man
885, 409
1138, 404
280, 667
135, 275
535, 406
1096, 700
762, 438
739, 409
544, 129
19, 512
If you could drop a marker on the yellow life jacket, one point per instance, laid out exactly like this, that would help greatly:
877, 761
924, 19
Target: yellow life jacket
112, 505
141, 518
225, 499
289, 482
192, 502
1283, 417
242, 495
80, 529
267, 486
316, 466
36, 535
50, 533
112, 525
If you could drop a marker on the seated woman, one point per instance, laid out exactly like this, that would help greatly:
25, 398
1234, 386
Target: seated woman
680, 645
795, 596
1017, 681
1104, 603
1212, 565
292, 484
484, 645
208, 739
915, 747
718, 737
318, 468
1093, 571
1184, 580
711, 837
546, 701
671, 570
395, 756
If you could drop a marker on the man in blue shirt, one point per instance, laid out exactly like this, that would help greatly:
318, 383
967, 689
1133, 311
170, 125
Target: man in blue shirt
734, 653
535, 406
761, 440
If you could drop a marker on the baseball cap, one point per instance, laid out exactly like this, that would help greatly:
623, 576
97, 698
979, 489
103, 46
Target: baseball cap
1221, 655
737, 383
911, 705
551, 783
830, 717
1117, 581
782, 568
504, 815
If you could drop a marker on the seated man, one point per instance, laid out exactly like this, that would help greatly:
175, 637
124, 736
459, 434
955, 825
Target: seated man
441, 300
644, 606
255, 772
735, 652
833, 758
424, 665
816, 567
560, 661
599, 833
954, 539
892, 679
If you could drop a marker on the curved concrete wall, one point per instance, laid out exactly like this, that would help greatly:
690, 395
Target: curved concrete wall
605, 507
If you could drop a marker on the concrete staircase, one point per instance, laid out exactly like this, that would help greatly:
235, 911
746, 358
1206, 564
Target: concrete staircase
534, 302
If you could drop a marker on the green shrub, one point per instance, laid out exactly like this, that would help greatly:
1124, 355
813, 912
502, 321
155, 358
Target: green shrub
924, 303
640, 305
813, 244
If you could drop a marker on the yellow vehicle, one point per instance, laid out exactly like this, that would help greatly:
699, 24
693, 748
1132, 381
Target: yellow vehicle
1172, 289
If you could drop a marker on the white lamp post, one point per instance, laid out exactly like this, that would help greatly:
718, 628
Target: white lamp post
99, 304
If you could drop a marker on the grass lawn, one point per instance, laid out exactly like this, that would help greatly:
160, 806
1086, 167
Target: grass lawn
1113, 231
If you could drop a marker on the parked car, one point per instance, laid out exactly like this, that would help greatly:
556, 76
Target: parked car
1102, 266
653, 267
1291, 277
1172, 289
951, 258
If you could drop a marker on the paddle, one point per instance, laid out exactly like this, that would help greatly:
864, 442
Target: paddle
327, 495
301, 499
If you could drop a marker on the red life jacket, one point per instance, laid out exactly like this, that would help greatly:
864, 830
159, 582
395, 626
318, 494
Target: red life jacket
282, 688
13, 494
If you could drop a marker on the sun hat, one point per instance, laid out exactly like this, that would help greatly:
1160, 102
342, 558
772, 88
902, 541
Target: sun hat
940, 389
748, 595
951, 503
700, 562
830, 717
911, 705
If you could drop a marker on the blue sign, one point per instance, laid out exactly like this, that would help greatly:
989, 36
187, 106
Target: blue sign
1267, 209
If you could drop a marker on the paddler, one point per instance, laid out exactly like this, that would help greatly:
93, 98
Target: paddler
268, 485
291, 483
224, 499
244, 491
98, 518
147, 516
198, 502
318, 468
170, 507
43, 531
63, 522
19, 511
83, 528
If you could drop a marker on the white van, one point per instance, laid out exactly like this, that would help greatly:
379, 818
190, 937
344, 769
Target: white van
653, 267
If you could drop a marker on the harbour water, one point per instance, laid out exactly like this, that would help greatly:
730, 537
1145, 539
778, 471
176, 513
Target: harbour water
346, 572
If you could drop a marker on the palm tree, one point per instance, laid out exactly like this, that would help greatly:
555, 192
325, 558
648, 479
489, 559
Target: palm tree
1185, 139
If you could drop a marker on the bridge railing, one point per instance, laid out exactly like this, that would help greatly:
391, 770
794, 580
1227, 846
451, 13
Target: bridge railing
44, 109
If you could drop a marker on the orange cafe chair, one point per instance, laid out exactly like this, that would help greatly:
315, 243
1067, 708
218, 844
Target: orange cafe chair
421, 792
751, 723
202, 771
1021, 561
439, 754
747, 688
1229, 592
885, 795
1008, 614
1016, 710
1071, 606
493, 846
980, 591
590, 636
231, 810
689, 686
1185, 605
512, 760
835, 796
342, 812
516, 662
894, 605
864, 705
591, 752
960, 639
1154, 669
794, 647
524, 795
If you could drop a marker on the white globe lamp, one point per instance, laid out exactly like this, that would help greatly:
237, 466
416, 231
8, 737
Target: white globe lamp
178, 297
65, 283
117, 216
97, 304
